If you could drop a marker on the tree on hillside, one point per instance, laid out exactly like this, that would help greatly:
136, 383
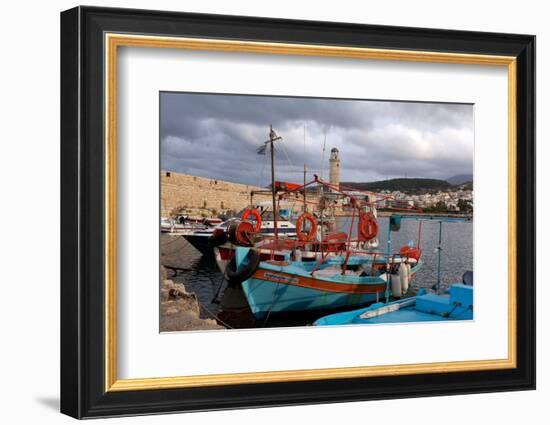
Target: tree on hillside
465, 206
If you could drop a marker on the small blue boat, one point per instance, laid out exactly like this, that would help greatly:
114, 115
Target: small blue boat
457, 304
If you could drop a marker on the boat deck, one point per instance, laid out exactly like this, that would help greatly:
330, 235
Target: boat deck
404, 315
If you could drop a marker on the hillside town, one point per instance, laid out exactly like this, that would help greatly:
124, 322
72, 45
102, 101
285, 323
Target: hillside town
455, 199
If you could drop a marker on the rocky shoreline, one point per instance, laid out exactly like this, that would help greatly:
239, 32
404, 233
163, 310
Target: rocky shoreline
179, 309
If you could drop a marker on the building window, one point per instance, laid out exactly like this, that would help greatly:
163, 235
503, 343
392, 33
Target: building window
168, 174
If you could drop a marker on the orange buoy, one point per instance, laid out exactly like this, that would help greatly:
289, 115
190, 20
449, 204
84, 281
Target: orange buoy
410, 252
306, 236
257, 217
368, 226
242, 232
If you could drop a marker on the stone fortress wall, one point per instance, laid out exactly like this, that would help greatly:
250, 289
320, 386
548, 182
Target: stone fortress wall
202, 195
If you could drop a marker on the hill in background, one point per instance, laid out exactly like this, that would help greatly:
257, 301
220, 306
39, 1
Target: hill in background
461, 179
403, 185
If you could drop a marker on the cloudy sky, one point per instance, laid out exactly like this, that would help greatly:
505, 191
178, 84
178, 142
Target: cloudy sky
216, 136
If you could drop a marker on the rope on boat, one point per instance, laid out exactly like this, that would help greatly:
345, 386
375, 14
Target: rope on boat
214, 315
271, 306
286, 154
215, 299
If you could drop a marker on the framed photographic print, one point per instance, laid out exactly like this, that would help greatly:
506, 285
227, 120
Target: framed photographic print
261, 212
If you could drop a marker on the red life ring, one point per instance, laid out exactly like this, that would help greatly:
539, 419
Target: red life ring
256, 215
368, 226
306, 236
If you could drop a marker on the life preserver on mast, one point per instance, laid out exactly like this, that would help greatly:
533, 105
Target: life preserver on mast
368, 226
257, 217
306, 236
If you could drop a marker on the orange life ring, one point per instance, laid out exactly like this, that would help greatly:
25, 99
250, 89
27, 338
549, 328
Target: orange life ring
410, 252
368, 226
306, 236
257, 216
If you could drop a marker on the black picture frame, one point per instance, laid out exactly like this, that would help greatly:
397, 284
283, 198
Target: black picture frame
83, 392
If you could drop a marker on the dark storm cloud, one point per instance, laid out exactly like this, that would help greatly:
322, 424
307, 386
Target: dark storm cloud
216, 136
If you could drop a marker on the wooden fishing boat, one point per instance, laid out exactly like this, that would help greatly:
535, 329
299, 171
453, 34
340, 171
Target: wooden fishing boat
339, 282
318, 271
347, 279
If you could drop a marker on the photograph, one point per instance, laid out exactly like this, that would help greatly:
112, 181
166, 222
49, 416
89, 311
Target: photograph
293, 206
280, 211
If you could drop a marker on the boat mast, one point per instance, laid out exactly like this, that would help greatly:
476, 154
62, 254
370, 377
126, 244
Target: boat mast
305, 201
438, 284
322, 190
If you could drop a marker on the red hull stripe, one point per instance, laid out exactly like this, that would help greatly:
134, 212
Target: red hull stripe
318, 284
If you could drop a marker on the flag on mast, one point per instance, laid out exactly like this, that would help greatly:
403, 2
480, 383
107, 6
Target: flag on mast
261, 150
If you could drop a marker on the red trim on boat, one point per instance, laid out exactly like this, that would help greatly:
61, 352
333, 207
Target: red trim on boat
318, 284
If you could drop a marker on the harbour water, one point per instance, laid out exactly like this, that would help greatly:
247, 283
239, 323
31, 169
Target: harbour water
230, 308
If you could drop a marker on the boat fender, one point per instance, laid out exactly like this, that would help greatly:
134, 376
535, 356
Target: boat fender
257, 216
468, 278
218, 237
306, 236
396, 289
297, 255
246, 269
404, 277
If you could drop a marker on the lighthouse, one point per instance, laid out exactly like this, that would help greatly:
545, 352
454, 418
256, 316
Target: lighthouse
334, 174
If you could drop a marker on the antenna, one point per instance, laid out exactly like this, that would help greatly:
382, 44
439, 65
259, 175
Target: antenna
272, 138
323, 158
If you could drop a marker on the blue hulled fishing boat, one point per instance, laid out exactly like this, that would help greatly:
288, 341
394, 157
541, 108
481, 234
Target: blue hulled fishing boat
322, 271
339, 282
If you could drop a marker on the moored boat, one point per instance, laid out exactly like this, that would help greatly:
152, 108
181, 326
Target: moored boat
207, 239
457, 304
174, 227
339, 282
322, 269
347, 278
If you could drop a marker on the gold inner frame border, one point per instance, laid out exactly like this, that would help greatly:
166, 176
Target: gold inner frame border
112, 41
